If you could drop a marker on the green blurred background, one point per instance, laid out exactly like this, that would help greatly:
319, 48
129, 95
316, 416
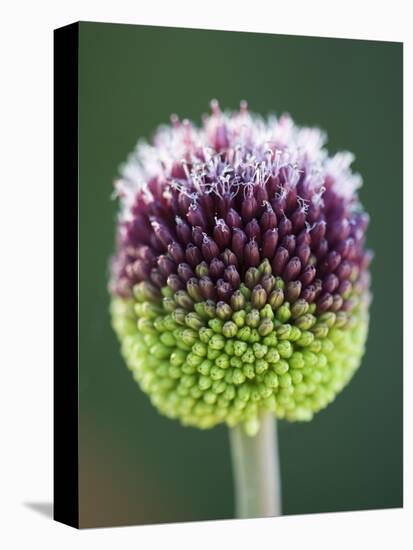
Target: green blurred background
136, 466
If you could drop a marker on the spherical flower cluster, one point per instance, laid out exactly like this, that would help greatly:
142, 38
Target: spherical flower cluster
240, 282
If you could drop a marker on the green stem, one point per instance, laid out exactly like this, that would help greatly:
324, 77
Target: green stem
256, 470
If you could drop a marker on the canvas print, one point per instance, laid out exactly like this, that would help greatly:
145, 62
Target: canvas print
239, 244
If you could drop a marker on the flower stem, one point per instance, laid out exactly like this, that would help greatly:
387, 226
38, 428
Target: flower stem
256, 470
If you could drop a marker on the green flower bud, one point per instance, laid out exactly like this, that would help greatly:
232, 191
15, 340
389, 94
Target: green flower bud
193, 320
205, 334
272, 356
276, 298
145, 326
193, 290
238, 377
145, 291
271, 380
216, 325
245, 291
267, 312
320, 330
281, 367
217, 342
237, 300
253, 318
239, 318
249, 371
252, 277
183, 299
207, 362
223, 311
188, 336
178, 315
202, 270
222, 361
265, 267
244, 333
229, 329
283, 312
285, 349
265, 327
305, 339
258, 297
299, 308
305, 322
167, 339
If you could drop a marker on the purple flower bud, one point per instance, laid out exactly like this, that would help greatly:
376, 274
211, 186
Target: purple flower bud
322, 249
176, 252
293, 291
346, 248
157, 278
268, 282
209, 248
330, 283
196, 216
279, 260
339, 230
292, 269
183, 231
175, 282
261, 195
251, 254
345, 288
166, 265
197, 235
185, 272
303, 237
216, 268
222, 234
308, 274
231, 275
229, 258
239, 240
233, 219
298, 219
279, 205
207, 288
252, 230
146, 254
224, 290
193, 255
161, 232
285, 226
317, 232
337, 303
139, 270
288, 242
269, 243
304, 253
309, 294
324, 302
248, 208
268, 219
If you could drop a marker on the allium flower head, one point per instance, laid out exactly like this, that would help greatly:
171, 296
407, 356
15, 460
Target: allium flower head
240, 281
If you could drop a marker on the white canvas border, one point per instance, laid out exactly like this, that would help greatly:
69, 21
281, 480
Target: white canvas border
26, 274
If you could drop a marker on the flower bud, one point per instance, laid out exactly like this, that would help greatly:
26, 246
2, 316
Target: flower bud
240, 282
